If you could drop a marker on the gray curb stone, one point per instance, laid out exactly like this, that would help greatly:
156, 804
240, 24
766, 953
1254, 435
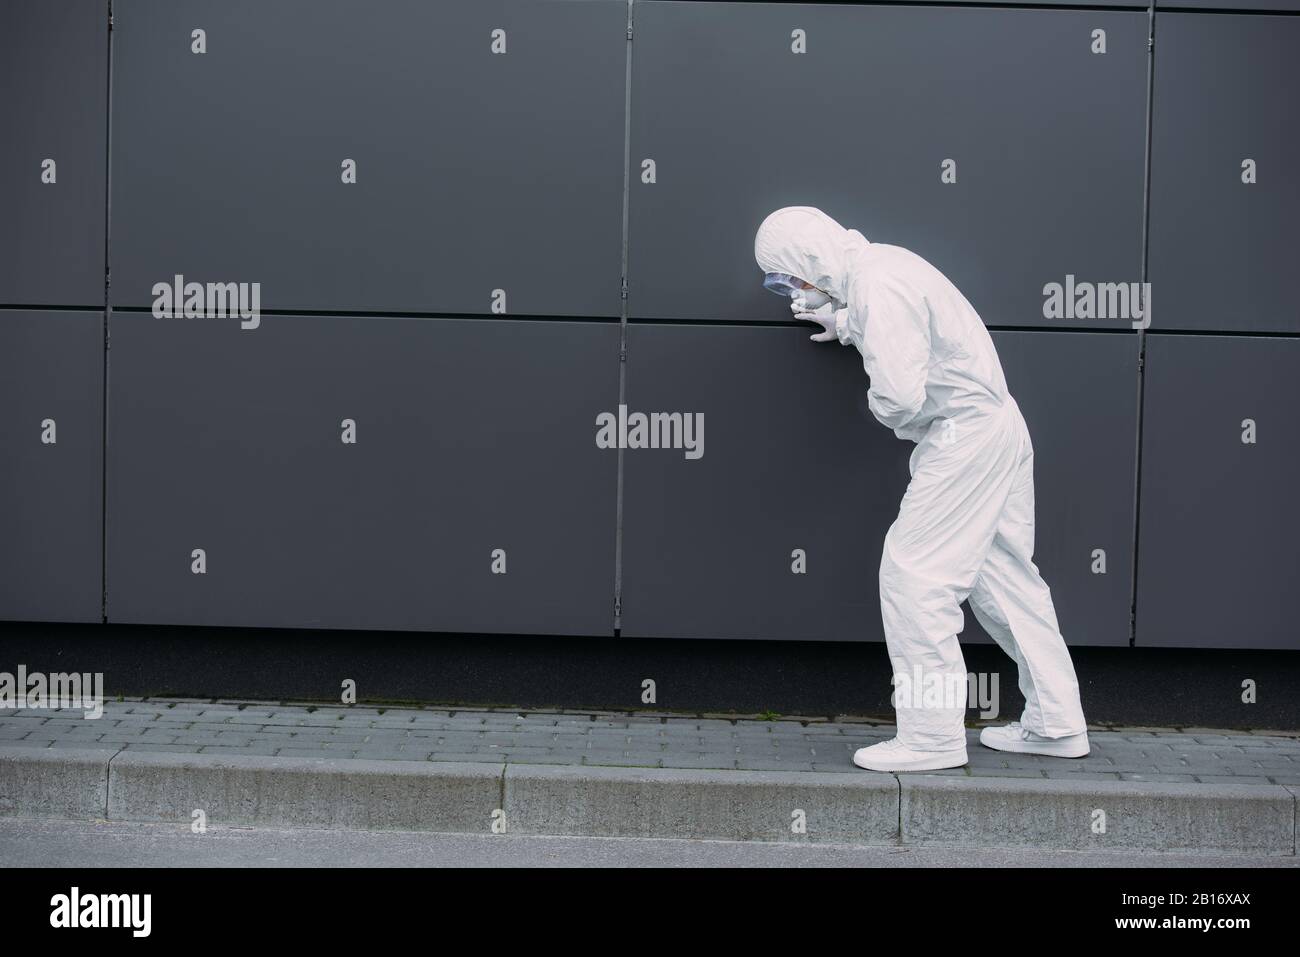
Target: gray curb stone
1194, 818
708, 804
68, 783
304, 792
461, 797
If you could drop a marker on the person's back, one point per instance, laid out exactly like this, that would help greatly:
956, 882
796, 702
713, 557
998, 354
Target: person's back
964, 377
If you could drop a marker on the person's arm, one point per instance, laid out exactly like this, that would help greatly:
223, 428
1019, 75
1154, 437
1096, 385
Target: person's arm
891, 329
842, 326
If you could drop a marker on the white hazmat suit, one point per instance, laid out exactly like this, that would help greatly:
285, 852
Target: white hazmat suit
965, 528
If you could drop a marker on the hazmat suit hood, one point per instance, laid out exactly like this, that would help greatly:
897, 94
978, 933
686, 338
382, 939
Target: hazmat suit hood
804, 242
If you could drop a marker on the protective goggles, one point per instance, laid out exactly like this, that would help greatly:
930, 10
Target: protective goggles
783, 284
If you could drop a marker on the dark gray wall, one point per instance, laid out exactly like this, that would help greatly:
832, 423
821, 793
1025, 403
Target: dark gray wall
1218, 560
470, 436
53, 106
51, 481
795, 460
1079, 397
1229, 5
476, 426
1047, 138
1223, 250
474, 171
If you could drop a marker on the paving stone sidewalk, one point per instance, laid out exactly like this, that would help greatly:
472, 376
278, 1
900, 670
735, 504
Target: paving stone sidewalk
622, 739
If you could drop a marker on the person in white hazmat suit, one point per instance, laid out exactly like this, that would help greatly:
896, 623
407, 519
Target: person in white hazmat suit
965, 528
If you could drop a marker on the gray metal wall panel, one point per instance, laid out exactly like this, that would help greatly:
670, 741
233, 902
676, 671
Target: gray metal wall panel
1228, 5
1048, 138
51, 493
53, 74
1217, 557
1129, 4
793, 459
475, 171
1223, 252
707, 542
472, 435
1079, 396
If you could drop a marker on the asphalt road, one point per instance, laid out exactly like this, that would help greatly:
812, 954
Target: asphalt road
69, 844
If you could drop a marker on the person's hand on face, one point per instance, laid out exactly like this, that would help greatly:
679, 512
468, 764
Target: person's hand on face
808, 299
807, 302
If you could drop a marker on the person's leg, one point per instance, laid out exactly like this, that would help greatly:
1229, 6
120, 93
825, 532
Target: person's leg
933, 552
1014, 604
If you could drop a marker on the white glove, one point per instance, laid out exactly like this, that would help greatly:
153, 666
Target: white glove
824, 316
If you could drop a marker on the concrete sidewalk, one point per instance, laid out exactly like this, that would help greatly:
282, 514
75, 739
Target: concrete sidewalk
638, 774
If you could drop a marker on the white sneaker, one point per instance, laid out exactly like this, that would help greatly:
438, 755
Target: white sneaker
892, 755
1013, 737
